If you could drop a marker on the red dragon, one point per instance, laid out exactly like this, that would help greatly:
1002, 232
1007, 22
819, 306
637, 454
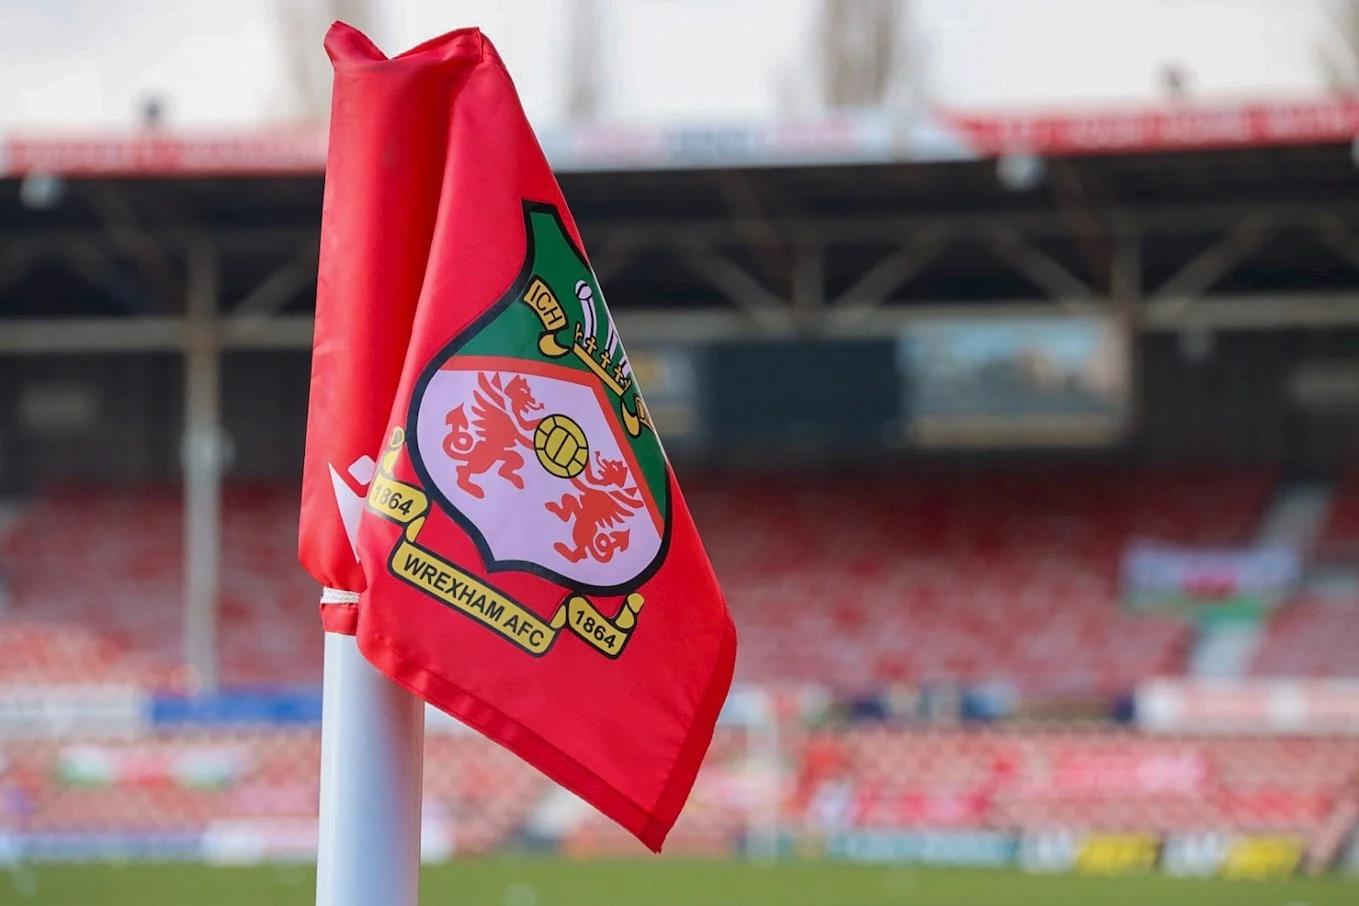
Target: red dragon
500, 423
601, 504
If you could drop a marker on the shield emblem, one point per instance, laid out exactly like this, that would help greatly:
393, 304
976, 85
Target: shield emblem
529, 430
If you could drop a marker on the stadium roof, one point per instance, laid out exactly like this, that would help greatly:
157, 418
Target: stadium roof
1233, 217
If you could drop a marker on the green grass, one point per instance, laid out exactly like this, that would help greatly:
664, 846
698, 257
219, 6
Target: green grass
554, 882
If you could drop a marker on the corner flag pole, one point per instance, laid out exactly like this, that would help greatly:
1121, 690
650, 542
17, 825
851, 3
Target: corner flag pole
381, 172
372, 742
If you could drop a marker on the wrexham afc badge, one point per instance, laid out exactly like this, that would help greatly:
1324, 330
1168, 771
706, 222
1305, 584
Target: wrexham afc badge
530, 432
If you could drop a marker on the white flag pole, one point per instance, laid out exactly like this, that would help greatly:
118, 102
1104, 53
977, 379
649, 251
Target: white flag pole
372, 748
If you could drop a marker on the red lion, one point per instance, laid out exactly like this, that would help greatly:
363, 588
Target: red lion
600, 505
500, 422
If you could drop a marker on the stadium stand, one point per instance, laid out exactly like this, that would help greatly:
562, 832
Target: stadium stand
957, 577
121, 598
834, 780
1008, 576
1311, 636
189, 782
1341, 532
840, 780
874, 587
1098, 779
945, 568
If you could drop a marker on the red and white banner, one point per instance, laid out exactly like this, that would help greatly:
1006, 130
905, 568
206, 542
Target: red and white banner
1249, 706
270, 152
863, 137
1179, 128
1098, 773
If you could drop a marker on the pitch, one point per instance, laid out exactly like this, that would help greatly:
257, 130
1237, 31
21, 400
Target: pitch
557, 882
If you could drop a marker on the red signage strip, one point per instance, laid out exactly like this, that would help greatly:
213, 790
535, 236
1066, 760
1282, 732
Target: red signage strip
1166, 129
866, 137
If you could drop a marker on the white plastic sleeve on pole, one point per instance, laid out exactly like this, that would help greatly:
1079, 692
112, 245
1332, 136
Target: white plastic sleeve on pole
372, 742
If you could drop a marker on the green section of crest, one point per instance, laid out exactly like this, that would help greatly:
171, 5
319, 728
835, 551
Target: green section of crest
519, 331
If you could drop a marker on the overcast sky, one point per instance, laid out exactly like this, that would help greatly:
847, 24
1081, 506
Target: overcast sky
86, 63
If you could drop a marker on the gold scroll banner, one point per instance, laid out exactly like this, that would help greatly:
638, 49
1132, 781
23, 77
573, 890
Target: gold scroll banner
415, 565
539, 297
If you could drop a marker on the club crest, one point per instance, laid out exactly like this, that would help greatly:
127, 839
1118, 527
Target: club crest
543, 450
530, 432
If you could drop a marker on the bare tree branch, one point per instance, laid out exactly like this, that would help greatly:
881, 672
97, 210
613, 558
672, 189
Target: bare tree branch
301, 24
860, 51
584, 89
1339, 56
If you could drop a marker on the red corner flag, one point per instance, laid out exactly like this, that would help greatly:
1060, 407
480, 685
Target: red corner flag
523, 558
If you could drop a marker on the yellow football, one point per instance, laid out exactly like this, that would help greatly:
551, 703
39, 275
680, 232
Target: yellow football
561, 446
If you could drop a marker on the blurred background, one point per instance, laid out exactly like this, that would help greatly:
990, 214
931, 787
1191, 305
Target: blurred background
1007, 350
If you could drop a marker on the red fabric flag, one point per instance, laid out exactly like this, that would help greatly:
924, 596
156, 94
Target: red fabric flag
526, 561
388, 140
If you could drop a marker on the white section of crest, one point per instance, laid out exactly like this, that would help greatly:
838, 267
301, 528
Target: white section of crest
372, 747
515, 524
